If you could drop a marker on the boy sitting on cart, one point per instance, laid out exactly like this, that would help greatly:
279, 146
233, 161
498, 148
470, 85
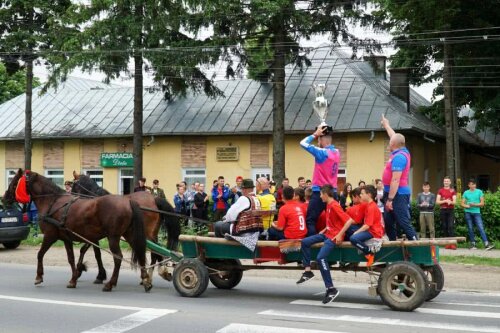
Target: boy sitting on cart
291, 222
337, 223
372, 227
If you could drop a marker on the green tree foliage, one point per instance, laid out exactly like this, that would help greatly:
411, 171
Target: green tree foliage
157, 36
422, 26
27, 29
13, 85
264, 36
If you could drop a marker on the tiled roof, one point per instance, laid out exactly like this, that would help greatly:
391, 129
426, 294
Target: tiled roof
357, 98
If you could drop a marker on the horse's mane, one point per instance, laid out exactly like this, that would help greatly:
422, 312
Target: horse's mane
88, 183
47, 186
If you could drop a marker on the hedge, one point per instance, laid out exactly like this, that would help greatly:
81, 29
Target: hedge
490, 214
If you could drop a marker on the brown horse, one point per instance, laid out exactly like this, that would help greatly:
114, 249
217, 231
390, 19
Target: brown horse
62, 215
86, 187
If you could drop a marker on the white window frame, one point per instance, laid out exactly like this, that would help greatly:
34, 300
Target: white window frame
9, 175
56, 176
342, 173
121, 176
99, 179
189, 176
262, 172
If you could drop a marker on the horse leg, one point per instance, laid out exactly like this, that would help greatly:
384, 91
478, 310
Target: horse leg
114, 247
46, 244
101, 275
71, 260
80, 266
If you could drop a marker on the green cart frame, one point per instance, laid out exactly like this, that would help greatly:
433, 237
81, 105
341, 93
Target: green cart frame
405, 274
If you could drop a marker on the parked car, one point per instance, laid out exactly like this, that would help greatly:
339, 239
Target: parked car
13, 226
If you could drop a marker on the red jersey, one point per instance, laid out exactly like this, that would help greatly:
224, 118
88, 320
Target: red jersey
292, 219
357, 212
446, 193
335, 219
373, 219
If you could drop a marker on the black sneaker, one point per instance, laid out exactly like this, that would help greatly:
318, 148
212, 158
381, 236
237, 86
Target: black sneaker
330, 295
489, 247
306, 276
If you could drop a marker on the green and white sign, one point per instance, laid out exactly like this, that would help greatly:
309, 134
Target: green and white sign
117, 160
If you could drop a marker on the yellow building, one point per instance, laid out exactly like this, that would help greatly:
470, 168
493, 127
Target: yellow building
87, 126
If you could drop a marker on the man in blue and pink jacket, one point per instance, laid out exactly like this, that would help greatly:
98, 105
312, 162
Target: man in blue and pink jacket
396, 187
326, 163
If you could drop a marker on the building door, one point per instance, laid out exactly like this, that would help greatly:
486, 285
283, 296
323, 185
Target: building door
126, 182
261, 172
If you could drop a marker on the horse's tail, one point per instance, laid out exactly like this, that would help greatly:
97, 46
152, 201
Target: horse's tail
138, 235
170, 223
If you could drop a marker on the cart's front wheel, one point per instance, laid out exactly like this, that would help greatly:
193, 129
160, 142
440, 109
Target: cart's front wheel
228, 273
403, 286
190, 277
435, 275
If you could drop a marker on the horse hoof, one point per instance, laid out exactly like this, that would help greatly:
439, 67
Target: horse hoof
38, 281
98, 281
107, 288
71, 285
147, 287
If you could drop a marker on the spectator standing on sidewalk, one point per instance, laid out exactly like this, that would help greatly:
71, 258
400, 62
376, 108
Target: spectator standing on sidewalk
156, 191
220, 197
446, 198
201, 204
425, 202
472, 201
380, 194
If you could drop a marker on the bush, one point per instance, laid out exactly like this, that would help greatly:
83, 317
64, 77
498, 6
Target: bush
490, 214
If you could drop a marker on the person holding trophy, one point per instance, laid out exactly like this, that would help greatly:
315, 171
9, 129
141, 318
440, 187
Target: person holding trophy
326, 160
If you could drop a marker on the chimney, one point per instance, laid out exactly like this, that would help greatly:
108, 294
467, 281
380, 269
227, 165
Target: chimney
378, 63
400, 85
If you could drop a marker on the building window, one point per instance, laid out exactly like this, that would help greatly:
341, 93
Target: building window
126, 181
261, 172
96, 175
9, 175
56, 175
192, 175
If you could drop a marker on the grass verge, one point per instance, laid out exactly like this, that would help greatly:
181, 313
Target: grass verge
481, 261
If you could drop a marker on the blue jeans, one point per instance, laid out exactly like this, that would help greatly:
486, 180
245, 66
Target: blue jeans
399, 216
321, 259
475, 218
359, 240
275, 234
352, 229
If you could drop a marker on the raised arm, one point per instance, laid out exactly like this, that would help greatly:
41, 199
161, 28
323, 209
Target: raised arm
387, 126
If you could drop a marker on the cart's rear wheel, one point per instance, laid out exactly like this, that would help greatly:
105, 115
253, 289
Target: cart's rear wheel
190, 277
403, 286
435, 275
229, 273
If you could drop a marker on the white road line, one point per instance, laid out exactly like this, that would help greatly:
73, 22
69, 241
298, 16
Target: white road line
382, 321
243, 328
123, 324
485, 305
131, 321
444, 312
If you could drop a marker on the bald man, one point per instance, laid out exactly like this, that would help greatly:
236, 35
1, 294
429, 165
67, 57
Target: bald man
267, 200
396, 188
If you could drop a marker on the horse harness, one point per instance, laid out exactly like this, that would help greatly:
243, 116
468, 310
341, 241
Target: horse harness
65, 207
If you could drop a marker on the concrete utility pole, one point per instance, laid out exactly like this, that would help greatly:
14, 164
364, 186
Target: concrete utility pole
451, 123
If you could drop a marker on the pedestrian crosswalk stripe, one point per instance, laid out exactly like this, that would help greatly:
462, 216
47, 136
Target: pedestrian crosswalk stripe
130, 322
244, 328
360, 319
436, 311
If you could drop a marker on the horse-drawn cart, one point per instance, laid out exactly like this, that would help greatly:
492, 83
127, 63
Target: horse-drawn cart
406, 273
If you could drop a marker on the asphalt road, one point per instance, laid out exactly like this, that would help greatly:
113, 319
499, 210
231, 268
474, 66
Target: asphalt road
258, 304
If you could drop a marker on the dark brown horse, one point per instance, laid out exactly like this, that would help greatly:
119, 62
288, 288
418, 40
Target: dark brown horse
86, 187
61, 215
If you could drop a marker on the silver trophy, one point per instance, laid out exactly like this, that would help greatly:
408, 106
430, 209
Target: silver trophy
320, 104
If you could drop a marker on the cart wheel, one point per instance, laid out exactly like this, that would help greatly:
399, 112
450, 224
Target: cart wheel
435, 275
227, 278
190, 277
403, 286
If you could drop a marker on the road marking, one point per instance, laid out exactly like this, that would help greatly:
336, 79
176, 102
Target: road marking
444, 312
131, 321
382, 321
243, 328
123, 324
485, 305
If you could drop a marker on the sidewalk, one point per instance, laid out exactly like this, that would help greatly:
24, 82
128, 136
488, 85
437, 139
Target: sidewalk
470, 253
